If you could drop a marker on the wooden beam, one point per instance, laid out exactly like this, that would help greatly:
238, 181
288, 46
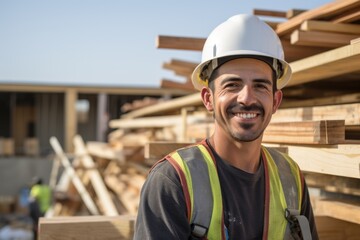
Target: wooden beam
325, 26
333, 184
87, 227
180, 43
157, 150
348, 112
182, 63
70, 120
325, 11
104, 150
269, 13
156, 122
174, 104
334, 229
321, 39
165, 83
292, 52
352, 15
294, 12
180, 70
307, 132
69, 170
328, 64
107, 204
338, 209
339, 160
334, 100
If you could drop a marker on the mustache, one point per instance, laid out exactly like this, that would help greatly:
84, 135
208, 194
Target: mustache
246, 108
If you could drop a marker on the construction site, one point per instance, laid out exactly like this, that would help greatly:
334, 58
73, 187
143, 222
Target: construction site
96, 184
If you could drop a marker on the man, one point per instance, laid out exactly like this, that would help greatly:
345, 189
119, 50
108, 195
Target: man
229, 186
39, 202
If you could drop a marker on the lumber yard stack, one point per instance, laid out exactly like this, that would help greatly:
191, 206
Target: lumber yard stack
318, 125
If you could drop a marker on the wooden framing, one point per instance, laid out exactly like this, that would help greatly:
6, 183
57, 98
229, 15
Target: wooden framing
88, 227
181, 43
325, 26
307, 132
269, 13
106, 203
321, 39
339, 160
325, 11
328, 64
350, 113
69, 170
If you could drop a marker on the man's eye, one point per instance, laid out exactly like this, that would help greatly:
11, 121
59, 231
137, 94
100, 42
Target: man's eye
263, 86
231, 85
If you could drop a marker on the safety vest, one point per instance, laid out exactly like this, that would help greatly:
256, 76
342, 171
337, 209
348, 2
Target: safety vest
202, 191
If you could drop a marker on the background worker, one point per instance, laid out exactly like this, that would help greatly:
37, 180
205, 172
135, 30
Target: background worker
229, 186
39, 202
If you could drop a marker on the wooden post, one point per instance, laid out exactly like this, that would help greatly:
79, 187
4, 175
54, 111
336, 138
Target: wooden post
70, 118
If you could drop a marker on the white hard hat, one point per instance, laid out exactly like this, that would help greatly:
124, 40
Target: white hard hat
241, 36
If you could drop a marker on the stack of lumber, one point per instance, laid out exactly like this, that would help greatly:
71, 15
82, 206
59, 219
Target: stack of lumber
318, 123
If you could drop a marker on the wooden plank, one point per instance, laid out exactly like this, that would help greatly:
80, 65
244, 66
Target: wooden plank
325, 26
352, 15
339, 160
339, 209
306, 132
334, 229
334, 100
321, 39
269, 13
292, 52
107, 205
156, 122
178, 70
157, 150
294, 12
328, 64
348, 112
174, 104
333, 184
69, 170
87, 228
354, 41
165, 83
181, 43
325, 11
70, 128
104, 150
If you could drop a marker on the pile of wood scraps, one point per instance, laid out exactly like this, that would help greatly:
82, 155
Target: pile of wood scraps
95, 182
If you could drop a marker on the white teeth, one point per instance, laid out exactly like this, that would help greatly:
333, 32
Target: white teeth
246, 115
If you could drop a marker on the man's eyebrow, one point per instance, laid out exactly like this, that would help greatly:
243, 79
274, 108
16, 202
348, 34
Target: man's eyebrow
230, 79
262, 80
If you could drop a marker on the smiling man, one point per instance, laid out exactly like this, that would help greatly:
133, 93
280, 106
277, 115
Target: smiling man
229, 186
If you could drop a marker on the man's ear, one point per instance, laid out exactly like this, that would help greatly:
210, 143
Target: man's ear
277, 100
206, 96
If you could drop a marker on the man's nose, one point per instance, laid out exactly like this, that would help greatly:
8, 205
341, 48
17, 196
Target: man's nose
246, 96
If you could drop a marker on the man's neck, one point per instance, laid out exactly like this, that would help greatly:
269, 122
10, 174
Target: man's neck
242, 155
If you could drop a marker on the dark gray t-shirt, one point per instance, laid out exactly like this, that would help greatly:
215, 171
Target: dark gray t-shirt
162, 209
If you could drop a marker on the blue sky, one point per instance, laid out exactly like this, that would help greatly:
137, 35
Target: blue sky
109, 42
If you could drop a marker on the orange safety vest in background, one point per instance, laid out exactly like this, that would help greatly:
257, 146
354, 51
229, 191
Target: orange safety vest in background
202, 190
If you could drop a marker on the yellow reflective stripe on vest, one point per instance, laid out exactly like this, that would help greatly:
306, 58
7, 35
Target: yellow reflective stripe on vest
208, 181
285, 192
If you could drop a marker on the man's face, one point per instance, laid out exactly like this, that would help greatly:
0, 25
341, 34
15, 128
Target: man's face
243, 100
